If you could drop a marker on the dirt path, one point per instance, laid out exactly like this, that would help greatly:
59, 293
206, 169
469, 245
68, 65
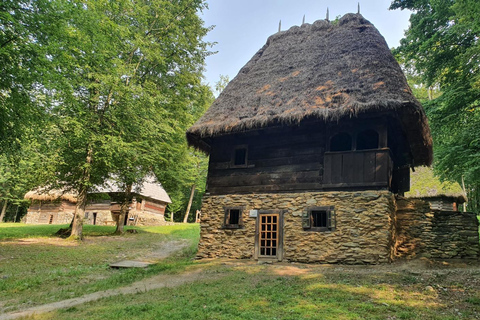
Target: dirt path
156, 282
161, 251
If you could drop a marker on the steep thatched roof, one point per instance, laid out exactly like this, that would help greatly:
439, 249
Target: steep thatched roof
321, 70
150, 188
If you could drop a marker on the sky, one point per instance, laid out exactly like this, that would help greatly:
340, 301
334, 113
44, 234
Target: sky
243, 26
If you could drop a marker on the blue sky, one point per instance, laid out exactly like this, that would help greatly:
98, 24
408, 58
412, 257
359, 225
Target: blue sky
243, 26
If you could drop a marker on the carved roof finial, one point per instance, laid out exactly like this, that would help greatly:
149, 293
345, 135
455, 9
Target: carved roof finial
358, 9
280, 26
303, 21
327, 15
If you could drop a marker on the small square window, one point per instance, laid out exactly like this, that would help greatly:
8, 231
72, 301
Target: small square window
319, 219
240, 156
233, 218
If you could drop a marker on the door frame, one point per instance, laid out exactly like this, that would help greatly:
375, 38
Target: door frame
279, 237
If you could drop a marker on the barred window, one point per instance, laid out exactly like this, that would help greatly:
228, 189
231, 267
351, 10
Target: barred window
319, 219
233, 218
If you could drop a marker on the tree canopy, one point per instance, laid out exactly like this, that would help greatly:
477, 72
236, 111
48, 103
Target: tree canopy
442, 47
118, 83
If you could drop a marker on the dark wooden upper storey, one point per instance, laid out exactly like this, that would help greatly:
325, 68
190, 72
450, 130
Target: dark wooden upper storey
315, 156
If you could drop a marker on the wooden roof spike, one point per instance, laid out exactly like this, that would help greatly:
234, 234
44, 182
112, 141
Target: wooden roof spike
358, 8
327, 15
303, 21
280, 26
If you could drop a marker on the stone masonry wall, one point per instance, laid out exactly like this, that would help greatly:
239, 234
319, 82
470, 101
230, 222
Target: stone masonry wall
364, 232
435, 234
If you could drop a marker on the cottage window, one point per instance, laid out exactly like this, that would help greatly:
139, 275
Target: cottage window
240, 156
319, 219
341, 142
367, 139
233, 218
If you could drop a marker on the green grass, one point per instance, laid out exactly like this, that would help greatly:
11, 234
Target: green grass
261, 293
36, 268
43, 270
17, 230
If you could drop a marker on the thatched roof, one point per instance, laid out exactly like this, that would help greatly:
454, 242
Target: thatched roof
43, 194
424, 184
150, 188
320, 71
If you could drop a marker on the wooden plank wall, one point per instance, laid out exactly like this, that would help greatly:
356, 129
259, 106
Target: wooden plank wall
279, 159
358, 168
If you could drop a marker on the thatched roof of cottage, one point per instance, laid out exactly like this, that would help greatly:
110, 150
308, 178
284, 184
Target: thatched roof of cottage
150, 188
320, 71
44, 194
424, 184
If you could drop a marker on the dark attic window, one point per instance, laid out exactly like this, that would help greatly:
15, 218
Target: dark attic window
233, 218
319, 219
367, 139
341, 142
240, 156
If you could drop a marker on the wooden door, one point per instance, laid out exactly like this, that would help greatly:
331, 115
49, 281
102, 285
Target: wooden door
269, 236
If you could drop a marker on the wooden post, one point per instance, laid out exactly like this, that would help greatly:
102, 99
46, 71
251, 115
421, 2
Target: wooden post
192, 192
464, 191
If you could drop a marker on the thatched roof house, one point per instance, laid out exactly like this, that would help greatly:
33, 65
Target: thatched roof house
310, 151
320, 71
57, 206
150, 188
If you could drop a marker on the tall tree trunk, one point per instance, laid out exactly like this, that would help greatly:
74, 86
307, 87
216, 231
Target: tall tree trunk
189, 204
16, 214
465, 192
124, 210
171, 217
77, 226
4, 210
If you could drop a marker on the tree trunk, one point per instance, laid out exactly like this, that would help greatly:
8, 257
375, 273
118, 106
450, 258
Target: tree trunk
465, 192
189, 204
16, 214
4, 210
123, 210
171, 217
77, 226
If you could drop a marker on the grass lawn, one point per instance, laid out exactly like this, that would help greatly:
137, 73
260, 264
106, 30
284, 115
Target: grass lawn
38, 268
233, 290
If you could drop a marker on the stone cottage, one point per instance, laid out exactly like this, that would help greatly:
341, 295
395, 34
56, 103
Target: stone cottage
57, 207
310, 146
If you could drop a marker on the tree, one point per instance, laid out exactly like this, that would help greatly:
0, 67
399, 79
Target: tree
442, 46
127, 74
24, 42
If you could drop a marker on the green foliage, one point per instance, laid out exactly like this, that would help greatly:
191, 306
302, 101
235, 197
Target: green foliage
442, 46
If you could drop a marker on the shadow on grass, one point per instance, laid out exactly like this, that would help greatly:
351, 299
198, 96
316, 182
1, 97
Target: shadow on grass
265, 295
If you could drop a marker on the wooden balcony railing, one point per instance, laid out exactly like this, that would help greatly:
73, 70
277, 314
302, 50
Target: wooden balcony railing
363, 168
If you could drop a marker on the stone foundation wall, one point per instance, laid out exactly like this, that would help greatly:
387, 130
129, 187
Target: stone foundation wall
39, 217
435, 234
144, 218
364, 232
